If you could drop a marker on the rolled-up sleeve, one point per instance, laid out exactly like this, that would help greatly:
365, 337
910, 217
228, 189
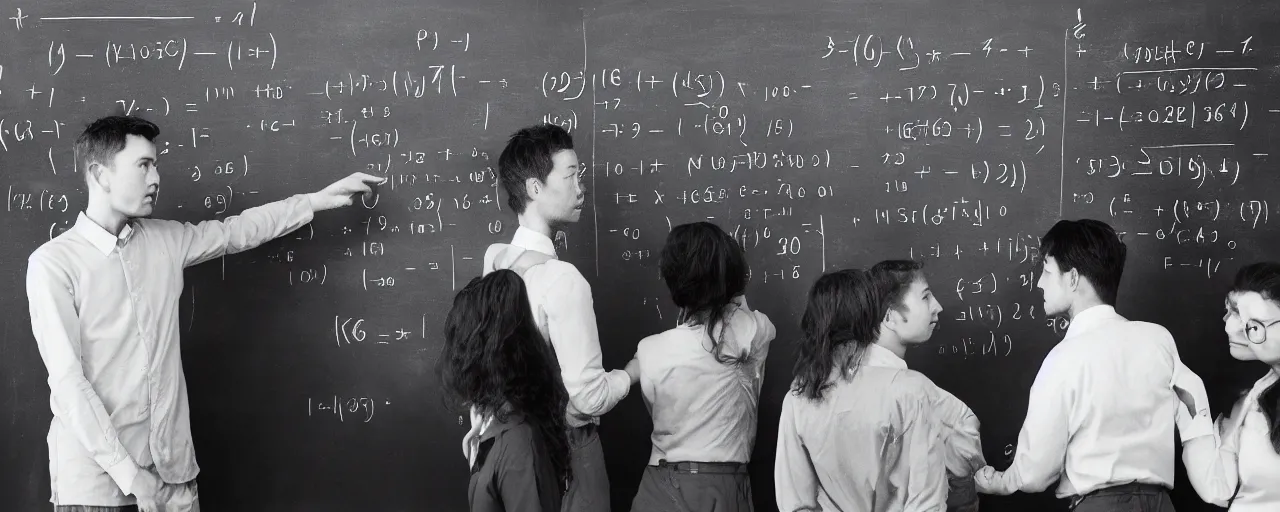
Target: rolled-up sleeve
1212, 461
571, 325
1042, 443
962, 440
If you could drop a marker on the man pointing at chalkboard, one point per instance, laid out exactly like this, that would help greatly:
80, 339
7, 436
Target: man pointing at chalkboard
104, 311
1102, 409
539, 171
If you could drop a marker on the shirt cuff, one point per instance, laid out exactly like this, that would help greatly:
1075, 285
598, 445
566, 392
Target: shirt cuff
620, 381
123, 473
1192, 428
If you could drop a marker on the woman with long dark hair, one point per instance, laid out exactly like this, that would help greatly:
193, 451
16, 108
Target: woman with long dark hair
701, 379
495, 362
1239, 467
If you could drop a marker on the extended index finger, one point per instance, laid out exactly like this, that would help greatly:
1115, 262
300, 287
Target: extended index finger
369, 178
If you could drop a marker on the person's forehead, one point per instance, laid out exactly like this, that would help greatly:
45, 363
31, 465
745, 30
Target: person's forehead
136, 144
1254, 305
565, 157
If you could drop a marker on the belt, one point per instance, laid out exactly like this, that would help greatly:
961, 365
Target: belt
721, 468
1129, 488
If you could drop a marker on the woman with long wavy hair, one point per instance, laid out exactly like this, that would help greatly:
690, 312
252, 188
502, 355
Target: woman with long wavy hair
495, 362
1239, 466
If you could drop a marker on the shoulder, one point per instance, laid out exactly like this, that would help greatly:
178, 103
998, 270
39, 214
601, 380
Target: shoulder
515, 443
57, 255
654, 344
1147, 329
149, 226
908, 380
750, 327
1126, 335
564, 275
491, 255
910, 386
793, 400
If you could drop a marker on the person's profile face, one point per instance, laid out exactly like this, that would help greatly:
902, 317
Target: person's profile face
131, 179
1261, 318
560, 198
1237, 342
1053, 284
919, 312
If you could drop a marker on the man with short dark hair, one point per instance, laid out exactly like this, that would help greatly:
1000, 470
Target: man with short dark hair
910, 318
1101, 416
539, 172
104, 311
874, 435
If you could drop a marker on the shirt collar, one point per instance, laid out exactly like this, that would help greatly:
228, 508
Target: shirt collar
98, 236
529, 239
1265, 382
877, 355
1092, 317
497, 427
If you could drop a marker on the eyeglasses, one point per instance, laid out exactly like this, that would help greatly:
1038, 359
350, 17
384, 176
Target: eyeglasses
1256, 331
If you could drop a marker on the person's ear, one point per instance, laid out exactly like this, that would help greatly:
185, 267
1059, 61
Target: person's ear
97, 173
532, 187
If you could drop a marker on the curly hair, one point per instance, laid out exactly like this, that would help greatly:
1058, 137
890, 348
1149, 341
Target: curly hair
495, 360
705, 269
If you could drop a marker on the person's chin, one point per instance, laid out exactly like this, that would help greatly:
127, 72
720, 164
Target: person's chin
1053, 309
574, 215
1241, 352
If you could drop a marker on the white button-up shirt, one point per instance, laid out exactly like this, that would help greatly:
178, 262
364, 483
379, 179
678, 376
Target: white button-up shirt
704, 410
1239, 460
1101, 412
104, 312
884, 440
562, 307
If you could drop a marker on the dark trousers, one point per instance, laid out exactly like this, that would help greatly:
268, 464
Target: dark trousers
962, 494
694, 487
1126, 498
589, 490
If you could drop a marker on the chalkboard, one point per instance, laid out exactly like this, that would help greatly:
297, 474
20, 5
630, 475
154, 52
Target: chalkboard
821, 134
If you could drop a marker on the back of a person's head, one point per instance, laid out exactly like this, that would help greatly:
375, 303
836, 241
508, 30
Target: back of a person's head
103, 138
1090, 247
894, 278
704, 269
495, 360
844, 307
528, 155
490, 336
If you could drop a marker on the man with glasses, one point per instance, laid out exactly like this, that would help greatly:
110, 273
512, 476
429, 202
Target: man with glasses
1101, 414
